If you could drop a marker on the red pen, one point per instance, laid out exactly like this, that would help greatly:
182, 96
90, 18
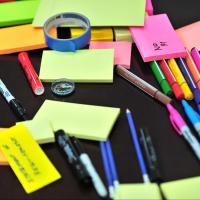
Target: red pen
171, 80
29, 70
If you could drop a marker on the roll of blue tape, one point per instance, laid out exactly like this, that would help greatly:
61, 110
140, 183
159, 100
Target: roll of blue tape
72, 44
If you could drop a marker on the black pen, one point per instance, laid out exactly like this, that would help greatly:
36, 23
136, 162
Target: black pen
66, 145
85, 159
13, 102
149, 155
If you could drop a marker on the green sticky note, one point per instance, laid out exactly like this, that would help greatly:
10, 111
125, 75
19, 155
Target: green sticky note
182, 189
99, 12
81, 66
83, 121
19, 12
137, 192
41, 130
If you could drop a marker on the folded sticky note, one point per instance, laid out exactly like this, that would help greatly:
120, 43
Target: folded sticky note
122, 51
3, 160
189, 35
97, 34
182, 189
28, 161
156, 43
19, 12
122, 34
80, 120
149, 7
100, 13
80, 66
137, 192
21, 38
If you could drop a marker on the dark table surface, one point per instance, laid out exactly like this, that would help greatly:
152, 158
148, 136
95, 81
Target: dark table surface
175, 157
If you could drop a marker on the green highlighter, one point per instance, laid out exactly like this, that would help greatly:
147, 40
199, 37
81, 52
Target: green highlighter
161, 78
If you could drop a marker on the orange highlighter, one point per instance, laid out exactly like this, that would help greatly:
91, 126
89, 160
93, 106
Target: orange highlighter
180, 79
193, 69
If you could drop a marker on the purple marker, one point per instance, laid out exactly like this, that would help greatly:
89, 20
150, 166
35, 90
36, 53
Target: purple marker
196, 57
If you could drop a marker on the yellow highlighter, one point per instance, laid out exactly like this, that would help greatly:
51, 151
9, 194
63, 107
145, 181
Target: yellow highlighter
180, 79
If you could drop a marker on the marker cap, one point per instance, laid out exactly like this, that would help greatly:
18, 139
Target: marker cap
187, 92
196, 94
177, 91
166, 88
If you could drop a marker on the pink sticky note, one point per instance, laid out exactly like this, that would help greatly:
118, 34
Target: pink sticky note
190, 35
149, 7
157, 40
122, 51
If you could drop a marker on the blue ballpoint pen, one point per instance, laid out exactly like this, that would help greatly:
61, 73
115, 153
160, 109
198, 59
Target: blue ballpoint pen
184, 69
192, 115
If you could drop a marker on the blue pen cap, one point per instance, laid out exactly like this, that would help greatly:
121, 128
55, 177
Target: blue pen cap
196, 96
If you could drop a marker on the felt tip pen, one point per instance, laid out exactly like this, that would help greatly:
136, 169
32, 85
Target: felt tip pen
180, 79
196, 57
78, 168
143, 85
160, 78
15, 105
171, 80
192, 115
183, 130
149, 155
193, 87
85, 159
192, 68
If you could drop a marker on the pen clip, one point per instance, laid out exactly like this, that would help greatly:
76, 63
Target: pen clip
173, 122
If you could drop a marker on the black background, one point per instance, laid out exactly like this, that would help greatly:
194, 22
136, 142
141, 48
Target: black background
175, 157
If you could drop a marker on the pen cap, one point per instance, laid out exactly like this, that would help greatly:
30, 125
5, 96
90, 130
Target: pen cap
177, 91
196, 96
166, 87
186, 91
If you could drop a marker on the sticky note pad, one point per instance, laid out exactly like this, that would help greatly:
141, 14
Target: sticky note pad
83, 121
3, 160
21, 38
19, 12
122, 51
189, 35
97, 34
122, 34
28, 161
137, 191
85, 66
100, 13
155, 42
182, 189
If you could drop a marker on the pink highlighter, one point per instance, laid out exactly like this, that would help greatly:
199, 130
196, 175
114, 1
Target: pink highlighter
182, 129
196, 57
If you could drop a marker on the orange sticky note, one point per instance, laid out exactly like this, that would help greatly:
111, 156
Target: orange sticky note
21, 38
189, 35
3, 160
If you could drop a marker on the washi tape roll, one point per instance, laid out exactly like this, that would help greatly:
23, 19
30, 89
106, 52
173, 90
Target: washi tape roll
72, 44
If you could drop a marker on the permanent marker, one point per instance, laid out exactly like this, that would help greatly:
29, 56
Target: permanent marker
14, 103
196, 57
182, 129
78, 168
85, 159
171, 80
180, 79
160, 78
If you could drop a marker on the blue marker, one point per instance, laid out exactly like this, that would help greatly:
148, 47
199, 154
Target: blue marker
137, 147
192, 115
112, 164
107, 169
184, 68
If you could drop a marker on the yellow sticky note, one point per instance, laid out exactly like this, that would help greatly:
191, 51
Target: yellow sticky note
137, 192
97, 34
30, 164
122, 34
3, 160
182, 189
83, 121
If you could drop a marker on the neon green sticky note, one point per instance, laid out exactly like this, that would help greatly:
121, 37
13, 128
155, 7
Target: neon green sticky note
138, 192
83, 121
19, 12
182, 189
81, 66
41, 130
100, 13
28, 161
